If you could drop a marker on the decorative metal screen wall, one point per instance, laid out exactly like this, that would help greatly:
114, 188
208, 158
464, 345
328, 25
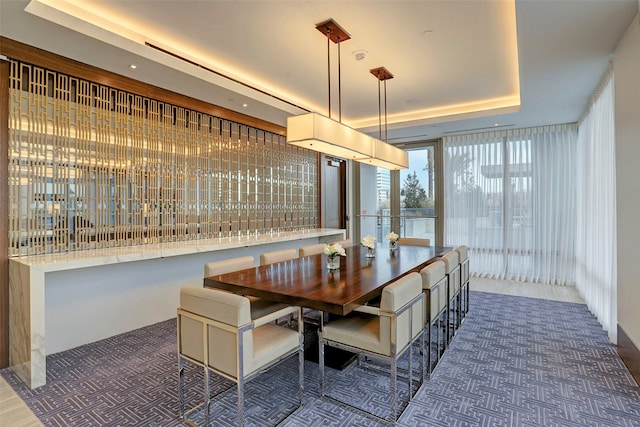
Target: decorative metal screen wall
95, 167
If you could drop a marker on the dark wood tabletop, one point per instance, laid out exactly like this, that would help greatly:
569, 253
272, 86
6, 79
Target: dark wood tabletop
307, 282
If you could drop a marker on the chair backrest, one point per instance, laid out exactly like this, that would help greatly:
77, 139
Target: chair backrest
278, 256
228, 265
415, 241
452, 268
308, 250
463, 255
433, 281
221, 313
395, 296
450, 260
346, 243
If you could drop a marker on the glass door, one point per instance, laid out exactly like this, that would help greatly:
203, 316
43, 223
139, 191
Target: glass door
375, 201
418, 195
401, 201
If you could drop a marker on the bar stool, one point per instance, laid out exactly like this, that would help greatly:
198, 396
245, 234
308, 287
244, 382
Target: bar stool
452, 270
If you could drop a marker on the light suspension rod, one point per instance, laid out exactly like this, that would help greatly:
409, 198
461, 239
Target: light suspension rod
339, 85
385, 155
382, 74
336, 34
329, 68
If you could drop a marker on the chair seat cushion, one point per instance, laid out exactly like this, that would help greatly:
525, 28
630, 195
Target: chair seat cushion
359, 330
269, 343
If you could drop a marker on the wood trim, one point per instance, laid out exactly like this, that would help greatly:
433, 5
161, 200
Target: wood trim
629, 353
4, 214
32, 55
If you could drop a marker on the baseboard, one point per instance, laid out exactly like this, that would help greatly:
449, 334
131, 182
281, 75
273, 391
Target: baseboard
629, 353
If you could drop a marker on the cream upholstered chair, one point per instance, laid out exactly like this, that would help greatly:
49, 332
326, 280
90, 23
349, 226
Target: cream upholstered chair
346, 243
415, 241
452, 270
434, 285
311, 316
463, 259
314, 249
228, 265
259, 306
216, 332
383, 333
278, 256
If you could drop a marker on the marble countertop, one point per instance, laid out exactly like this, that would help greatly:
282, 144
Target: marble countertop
105, 256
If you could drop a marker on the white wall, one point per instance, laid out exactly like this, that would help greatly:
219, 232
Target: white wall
89, 304
627, 116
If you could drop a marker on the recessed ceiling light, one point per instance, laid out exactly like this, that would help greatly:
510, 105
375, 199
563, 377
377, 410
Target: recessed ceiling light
428, 32
245, 105
496, 124
133, 66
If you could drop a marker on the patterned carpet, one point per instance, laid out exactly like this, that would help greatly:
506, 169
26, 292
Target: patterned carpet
514, 362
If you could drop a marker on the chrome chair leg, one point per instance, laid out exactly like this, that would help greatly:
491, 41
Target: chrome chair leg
301, 363
240, 402
321, 362
393, 390
207, 396
181, 384
410, 367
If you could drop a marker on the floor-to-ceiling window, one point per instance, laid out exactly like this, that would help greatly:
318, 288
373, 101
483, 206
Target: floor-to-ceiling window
511, 197
374, 194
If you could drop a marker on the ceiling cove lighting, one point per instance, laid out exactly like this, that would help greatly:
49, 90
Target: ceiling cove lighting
385, 155
324, 134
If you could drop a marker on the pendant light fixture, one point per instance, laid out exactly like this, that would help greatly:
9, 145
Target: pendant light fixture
326, 135
320, 133
385, 155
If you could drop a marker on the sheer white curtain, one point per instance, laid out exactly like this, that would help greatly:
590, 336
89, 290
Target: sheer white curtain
596, 221
510, 196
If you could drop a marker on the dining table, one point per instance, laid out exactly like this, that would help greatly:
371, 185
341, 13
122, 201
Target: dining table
308, 282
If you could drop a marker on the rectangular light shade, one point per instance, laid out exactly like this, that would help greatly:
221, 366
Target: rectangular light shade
319, 133
387, 156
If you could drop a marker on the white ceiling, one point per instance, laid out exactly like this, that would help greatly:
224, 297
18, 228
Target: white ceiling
267, 54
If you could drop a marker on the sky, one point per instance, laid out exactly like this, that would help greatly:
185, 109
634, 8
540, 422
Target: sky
417, 163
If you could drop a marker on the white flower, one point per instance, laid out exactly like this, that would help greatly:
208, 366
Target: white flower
392, 237
334, 250
369, 241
